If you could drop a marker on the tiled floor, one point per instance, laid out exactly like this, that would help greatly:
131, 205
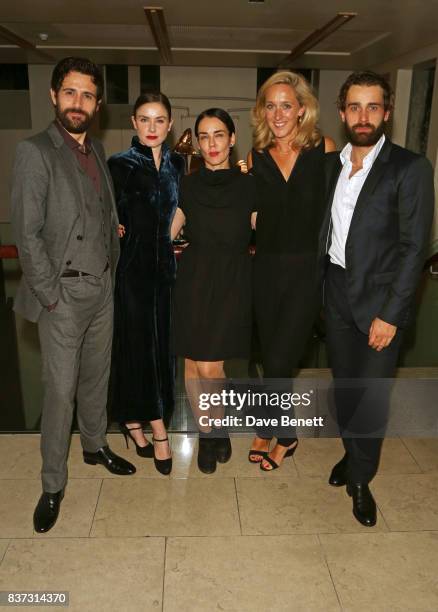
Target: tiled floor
237, 540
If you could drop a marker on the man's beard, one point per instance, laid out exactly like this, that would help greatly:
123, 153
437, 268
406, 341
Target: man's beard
74, 127
364, 139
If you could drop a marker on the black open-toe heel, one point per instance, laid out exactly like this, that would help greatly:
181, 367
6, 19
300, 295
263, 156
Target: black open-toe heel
274, 465
142, 451
258, 453
164, 466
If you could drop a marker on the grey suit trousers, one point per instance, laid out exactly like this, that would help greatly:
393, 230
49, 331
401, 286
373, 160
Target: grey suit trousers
76, 348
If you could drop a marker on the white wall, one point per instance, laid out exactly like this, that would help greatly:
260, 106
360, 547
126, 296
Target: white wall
193, 90
41, 107
402, 90
398, 69
330, 82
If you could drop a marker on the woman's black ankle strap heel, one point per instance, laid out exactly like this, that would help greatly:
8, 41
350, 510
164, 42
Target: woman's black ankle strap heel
142, 451
164, 466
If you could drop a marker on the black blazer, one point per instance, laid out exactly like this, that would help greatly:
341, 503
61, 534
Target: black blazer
388, 237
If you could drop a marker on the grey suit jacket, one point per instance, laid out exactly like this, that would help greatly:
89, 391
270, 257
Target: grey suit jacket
47, 198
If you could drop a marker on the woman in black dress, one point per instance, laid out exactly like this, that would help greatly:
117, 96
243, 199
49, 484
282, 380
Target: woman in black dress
212, 306
146, 179
287, 163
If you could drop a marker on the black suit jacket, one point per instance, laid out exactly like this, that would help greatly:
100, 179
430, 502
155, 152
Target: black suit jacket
388, 237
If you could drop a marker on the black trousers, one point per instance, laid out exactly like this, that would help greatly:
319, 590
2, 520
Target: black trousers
360, 410
286, 306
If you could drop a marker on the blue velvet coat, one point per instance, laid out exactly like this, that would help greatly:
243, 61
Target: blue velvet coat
142, 375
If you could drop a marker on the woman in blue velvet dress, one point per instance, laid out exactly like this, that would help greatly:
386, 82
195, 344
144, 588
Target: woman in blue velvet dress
146, 179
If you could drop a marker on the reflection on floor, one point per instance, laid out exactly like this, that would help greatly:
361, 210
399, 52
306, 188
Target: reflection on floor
237, 540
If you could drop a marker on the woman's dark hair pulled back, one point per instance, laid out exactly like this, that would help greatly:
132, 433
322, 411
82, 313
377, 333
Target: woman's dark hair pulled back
148, 97
220, 114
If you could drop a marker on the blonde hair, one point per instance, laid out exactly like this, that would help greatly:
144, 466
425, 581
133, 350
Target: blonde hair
308, 133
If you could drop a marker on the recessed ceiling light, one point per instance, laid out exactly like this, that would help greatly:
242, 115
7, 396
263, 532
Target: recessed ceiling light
157, 24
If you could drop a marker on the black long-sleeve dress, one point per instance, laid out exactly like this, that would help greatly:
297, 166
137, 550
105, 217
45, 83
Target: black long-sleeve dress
142, 374
212, 306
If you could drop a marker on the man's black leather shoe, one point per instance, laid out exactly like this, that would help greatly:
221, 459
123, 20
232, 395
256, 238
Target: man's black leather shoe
364, 506
223, 449
338, 477
113, 463
46, 511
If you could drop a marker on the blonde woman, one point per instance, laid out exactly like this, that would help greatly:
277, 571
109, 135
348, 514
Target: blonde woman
287, 161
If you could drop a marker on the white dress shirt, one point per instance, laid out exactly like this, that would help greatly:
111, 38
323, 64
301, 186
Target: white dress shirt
345, 198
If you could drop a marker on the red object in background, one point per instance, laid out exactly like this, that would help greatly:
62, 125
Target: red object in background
8, 251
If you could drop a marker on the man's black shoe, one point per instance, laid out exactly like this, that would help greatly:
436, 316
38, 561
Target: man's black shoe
113, 463
338, 477
46, 511
223, 449
364, 506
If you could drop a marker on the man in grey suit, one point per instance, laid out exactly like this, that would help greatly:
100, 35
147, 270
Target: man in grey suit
65, 225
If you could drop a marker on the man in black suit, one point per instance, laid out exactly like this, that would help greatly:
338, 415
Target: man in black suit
374, 239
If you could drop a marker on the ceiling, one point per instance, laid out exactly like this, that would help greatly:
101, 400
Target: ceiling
220, 32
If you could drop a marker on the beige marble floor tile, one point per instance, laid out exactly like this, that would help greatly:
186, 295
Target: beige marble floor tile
185, 453
316, 457
100, 574
17, 502
408, 503
247, 574
396, 459
19, 498
3, 548
20, 456
425, 452
304, 505
141, 507
390, 572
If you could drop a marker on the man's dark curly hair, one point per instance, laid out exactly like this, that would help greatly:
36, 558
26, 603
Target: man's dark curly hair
77, 64
367, 78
